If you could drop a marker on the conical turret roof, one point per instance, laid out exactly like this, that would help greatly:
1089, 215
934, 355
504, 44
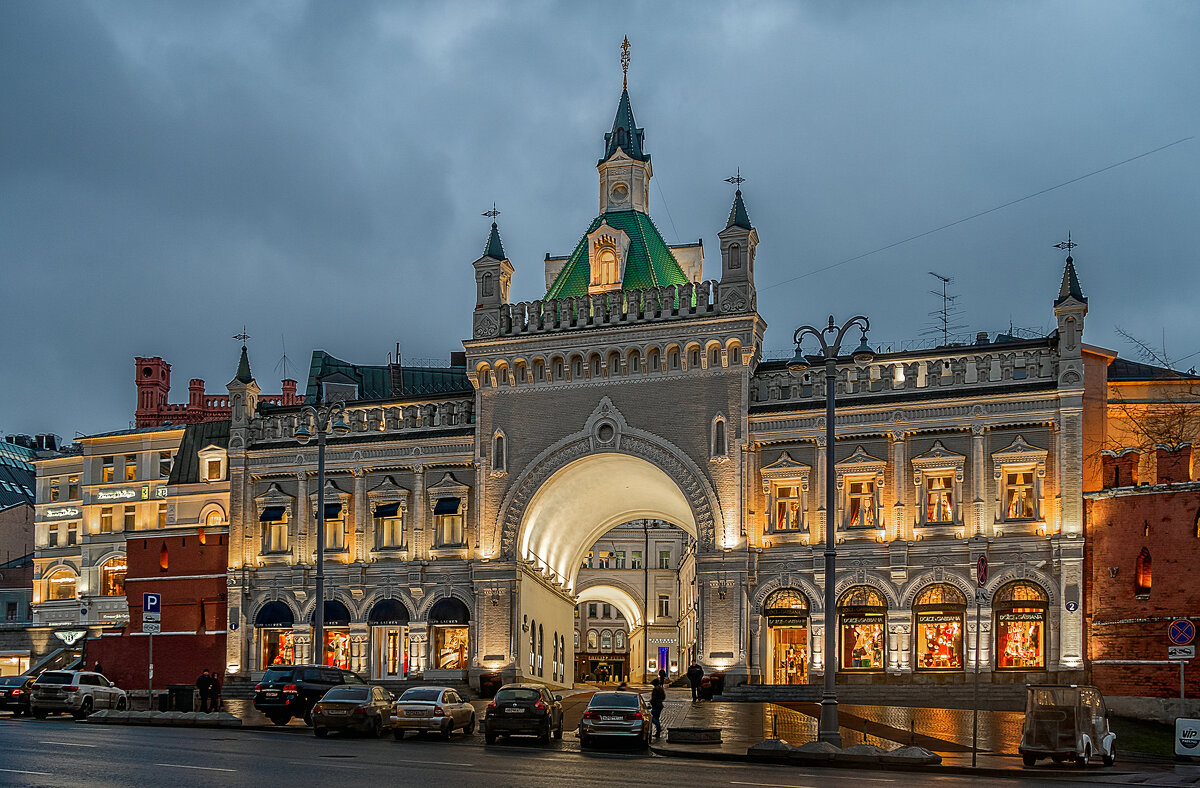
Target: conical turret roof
737, 214
494, 248
243, 371
1070, 284
625, 134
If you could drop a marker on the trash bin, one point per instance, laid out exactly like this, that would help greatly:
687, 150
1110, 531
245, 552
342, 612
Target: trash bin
180, 697
488, 684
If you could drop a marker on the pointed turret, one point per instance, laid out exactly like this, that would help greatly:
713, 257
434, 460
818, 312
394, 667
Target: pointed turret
625, 134
1070, 310
739, 241
243, 392
243, 371
1070, 284
494, 248
737, 214
493, 275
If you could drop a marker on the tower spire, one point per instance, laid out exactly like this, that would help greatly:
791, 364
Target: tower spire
494, 248
625, 64
738, 217
1070, 282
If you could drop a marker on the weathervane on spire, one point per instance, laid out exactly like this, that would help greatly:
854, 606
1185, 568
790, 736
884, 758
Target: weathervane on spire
625, 64
492, 214
1067, 245
737, 180
242, 336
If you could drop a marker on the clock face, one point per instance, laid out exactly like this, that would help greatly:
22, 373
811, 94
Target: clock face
619, 194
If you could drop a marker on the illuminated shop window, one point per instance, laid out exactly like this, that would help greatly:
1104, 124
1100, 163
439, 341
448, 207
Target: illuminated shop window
593, 640
213, 518
862, 614
786, 611
940, 611
112, 577
60, 585
1020, 611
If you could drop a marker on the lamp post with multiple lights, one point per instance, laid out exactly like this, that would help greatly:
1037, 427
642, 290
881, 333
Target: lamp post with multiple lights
326, 419
828, 730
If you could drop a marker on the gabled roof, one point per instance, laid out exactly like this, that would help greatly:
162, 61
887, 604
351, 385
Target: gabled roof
650, 262
625, 134
186, 469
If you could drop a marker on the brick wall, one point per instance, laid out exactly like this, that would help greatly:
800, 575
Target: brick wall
1119, 624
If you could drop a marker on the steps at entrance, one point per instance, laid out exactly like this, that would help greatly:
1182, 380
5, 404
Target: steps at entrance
997, 697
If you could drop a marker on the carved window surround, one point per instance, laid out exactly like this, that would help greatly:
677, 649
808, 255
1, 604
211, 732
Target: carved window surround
334, 495
935, 463
786, 472
388, 492
861, 467
274, 497
1020, 457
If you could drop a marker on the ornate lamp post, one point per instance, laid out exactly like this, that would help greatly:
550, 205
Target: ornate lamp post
326, 418
828, 730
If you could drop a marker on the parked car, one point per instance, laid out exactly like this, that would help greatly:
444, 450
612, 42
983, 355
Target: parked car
1066, 721
79, 692
439, 709
354, 707
616, 715
14, 694
527, 709
288, 691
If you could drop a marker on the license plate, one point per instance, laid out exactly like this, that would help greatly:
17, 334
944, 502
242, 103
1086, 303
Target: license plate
271, 694
415, 712
514, 710
610, 718
337, 712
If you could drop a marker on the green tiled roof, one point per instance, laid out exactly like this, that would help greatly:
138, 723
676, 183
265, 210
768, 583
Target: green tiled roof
650, 262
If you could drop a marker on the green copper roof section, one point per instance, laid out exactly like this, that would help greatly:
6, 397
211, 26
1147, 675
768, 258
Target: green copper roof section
650, 262
1070, 285
625, 134
737, 214
243, 373
494, 249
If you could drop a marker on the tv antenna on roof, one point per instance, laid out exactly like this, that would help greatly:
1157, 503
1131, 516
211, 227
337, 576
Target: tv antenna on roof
283, 360
944, 319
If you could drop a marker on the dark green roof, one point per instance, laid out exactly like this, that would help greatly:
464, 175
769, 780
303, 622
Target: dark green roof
186, 469
1070, 285
243, 374
737, 214
650, 262
625, 134
386, 381
494, 249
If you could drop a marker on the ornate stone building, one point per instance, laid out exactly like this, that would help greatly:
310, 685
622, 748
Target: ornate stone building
462, 504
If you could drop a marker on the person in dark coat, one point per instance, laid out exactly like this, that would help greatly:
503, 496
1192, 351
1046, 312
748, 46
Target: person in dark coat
207, 685
695, 673
658, 696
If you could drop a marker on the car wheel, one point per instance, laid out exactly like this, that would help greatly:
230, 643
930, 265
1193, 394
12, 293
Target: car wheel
1028, 760
398, 734
40, 713
1111, 758
544, 735
281, 719
308, 717
122, 703
377, 728
490, 738
558, 730
1082, 760
320, 733
85, 709
469, 728
585, 740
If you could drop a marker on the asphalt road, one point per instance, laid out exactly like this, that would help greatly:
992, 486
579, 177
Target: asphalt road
59, 752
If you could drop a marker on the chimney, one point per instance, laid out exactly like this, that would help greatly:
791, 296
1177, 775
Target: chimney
289, 391
195, 393
1174, 463
1120, 467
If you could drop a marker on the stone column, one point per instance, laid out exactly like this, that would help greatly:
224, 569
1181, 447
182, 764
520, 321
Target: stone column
359, 637
358, 551
419, 542
901, 527
980, 525
302, 643
817, 638
822, 517
302, 549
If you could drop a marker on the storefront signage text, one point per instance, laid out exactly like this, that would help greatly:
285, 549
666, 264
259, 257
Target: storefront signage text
60, 513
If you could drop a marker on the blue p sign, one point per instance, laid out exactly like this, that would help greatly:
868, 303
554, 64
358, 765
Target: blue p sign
151, 603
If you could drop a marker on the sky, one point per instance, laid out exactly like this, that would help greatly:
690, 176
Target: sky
317, 172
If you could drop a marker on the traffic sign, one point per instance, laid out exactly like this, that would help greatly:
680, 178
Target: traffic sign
151, 627
1181, 632
151, 603
1181, 652
981, 571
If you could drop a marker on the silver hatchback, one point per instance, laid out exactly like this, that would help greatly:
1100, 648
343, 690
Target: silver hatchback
616, 715
439, 709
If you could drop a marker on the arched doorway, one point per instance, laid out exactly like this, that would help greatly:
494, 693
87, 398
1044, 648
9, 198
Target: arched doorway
449, 633
940, 610
336, 649
388, 620
276, 642
613, 610
1020, 611
862, 630
786, 613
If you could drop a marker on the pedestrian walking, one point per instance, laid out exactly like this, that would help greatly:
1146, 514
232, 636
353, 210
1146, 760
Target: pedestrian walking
207, 685
694, 674
658, 696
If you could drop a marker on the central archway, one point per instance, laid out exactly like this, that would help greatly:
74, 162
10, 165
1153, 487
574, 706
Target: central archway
580, 502
617, 597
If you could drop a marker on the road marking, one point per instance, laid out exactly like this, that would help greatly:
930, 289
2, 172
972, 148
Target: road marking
23, 771
68, 744
824, 777
202, 768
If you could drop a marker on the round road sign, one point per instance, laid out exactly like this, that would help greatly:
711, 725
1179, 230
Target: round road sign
1181, 631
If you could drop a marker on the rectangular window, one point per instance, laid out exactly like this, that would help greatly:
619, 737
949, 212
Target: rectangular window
73, 488
335, 534
664, 559
129, 521
939, 499
389, 529
162, 515
605, 559
619, 559
587, 562
862, 504
606, 611
53, 490
106, 520
1018, 491
72, 533
448, 522
275, 529
635, 559
591, 609
213, 470
10, 611
130, 467
165, 460
787, 508
106, 473
52, 535
664, 606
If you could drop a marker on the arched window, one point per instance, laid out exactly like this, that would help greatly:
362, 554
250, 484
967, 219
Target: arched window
539, 371
60, 585
576, 640
1143, 573
498, 452
554, 664
557, 369
720, 447
577, 367
594, 366
714, 356
735, 256
213, 518
673, 358
694, 357
112, 577
593, 641
635, 362
608, 267
620, 640
1020, 613
541, 652
614, 364
606, 640
652, 360
735, 355
487, 284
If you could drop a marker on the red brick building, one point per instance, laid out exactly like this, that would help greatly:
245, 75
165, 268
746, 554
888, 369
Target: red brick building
1142, 558
153, 378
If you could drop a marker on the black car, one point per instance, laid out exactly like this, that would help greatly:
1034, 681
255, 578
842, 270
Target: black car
288, 691
14, 694
527, 709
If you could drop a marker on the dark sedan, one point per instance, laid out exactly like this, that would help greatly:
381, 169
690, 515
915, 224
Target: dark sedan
616, 715
14, 694
527, 709
353, 707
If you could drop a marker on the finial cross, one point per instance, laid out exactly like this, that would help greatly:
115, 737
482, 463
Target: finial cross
737, 180
1066, 245
492, 214
242, 336
625, 64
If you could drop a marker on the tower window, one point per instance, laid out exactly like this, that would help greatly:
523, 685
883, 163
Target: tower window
1143, 574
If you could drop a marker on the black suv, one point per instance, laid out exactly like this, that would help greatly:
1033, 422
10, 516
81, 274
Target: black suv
288, 691
524, 708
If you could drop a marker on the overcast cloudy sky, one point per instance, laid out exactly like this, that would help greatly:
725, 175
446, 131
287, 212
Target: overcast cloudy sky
171, 171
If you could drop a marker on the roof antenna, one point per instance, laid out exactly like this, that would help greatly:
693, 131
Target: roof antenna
944, 318
283, 361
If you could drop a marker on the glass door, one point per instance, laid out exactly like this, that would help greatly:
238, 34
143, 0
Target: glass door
390, 657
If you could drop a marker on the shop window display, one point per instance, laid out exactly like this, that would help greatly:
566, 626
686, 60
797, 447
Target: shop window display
337, 648
786, 612
1020, 610
450, 648
940, 612
862, 613
278, 647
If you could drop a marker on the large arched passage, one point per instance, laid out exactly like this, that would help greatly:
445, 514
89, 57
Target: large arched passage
577, 504
619, 642
618, 598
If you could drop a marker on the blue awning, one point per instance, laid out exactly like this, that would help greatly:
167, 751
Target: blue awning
387, 509
447, 506
272, 514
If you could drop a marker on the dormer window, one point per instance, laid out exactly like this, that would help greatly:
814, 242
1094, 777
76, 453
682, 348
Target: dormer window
214, 464
608, 247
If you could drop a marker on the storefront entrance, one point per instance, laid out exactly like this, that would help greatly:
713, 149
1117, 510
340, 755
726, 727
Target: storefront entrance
786, 612
388, 620
449, 628
336, 650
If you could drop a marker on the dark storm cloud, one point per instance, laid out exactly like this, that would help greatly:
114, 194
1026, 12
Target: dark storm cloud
316, 171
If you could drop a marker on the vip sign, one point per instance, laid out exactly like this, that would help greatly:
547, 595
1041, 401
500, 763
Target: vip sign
1187, 737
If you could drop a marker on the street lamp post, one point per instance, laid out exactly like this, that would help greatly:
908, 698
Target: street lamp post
326, 418
828, 730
